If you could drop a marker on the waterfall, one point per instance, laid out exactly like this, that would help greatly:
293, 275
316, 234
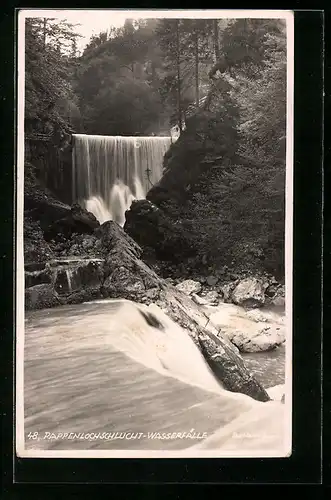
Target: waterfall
68, 274
109, 172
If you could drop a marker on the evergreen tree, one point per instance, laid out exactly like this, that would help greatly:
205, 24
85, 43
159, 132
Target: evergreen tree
48, 77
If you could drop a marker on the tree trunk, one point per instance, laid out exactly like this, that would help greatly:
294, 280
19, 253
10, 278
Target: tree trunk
196, 46
216, 41
179, 100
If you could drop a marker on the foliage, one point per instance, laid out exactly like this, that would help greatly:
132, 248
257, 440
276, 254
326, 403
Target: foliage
235, 208
117, 82
224, 178
50, 102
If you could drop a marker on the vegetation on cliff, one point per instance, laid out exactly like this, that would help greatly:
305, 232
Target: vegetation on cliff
224, 179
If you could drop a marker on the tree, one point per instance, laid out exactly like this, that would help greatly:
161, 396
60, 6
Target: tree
48, 76
232, 186
118, 92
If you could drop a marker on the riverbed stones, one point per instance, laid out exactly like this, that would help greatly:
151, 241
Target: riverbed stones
212, 298
211, 280
227, 290
249, 293
189, 286
278, 299
266, 338
201, 301
249, 331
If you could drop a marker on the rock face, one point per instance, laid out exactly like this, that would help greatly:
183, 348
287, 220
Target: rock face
42, 206
154, 231
41, 296
189, 287
249, 292
76, 276
126, 276
63, 281
77, 221
221, 355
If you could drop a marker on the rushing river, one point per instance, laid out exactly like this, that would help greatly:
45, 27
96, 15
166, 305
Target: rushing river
268, 367
99, 368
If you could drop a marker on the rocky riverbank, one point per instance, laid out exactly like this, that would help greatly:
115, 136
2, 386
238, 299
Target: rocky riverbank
70, 258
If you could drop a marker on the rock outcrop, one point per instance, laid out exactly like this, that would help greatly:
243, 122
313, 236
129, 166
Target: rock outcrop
121, 273
249, 292
155, 232
221, 355
76, 221
40, 205
126, 275
42, 296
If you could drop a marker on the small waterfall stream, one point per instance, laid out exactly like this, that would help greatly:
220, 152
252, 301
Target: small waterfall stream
109, 172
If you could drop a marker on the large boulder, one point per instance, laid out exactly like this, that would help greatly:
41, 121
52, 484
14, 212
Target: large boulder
154, 231
265, 338
40, 205
249, 331
126, 275
77, 221
189, 287
249, 293
221, 355
41, 296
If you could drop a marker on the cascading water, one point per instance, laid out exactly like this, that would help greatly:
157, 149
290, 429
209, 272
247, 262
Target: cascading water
109, 172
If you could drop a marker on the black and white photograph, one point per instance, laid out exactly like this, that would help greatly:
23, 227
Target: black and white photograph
154, 233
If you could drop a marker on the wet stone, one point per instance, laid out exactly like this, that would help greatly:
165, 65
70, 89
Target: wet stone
37, 278
71, 279
34, 266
